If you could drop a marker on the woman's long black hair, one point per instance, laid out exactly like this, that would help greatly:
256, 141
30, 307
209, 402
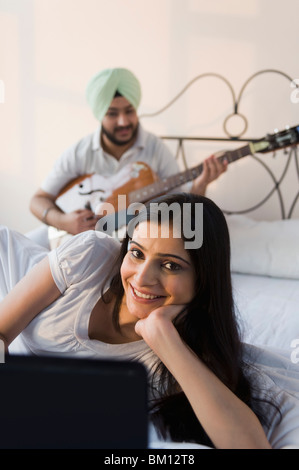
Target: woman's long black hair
208, 325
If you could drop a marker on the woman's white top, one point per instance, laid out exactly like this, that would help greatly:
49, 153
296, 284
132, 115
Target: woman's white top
79, 268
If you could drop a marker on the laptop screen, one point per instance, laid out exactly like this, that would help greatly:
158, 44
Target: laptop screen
63, 403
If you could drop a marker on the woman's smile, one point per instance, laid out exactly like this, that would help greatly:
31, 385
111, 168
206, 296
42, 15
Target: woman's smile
144, 296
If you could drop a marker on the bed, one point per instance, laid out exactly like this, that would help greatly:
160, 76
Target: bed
261, 208
264, 233
265, 262
265, 276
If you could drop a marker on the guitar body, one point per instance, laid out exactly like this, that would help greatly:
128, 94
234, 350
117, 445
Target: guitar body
101, 194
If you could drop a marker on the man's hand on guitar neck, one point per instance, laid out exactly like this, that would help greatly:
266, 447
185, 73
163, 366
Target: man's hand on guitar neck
212, 169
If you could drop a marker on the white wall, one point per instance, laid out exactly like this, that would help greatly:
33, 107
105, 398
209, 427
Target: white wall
50, 48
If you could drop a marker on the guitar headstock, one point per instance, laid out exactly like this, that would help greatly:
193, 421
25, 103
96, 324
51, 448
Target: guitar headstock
277, 140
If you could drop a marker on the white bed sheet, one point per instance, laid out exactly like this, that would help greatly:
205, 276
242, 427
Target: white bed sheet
267, 310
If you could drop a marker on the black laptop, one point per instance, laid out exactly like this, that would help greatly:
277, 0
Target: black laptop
62, 403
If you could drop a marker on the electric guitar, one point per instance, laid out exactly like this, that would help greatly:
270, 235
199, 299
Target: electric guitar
136, 182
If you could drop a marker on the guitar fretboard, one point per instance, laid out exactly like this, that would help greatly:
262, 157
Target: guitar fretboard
167, 184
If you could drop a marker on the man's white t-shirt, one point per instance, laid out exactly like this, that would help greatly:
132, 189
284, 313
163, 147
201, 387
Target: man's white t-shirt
87, 156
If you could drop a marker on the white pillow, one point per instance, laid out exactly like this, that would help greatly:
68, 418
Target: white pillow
267, 248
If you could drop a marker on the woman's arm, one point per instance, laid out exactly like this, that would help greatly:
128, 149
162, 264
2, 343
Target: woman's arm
29, 297
226, 419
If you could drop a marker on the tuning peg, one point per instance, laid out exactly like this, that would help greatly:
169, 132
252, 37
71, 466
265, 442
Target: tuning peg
287, 127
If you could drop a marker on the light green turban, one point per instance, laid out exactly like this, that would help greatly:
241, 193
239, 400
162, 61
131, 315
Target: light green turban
102, 87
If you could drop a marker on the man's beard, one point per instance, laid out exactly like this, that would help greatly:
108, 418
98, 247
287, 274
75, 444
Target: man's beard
110, 136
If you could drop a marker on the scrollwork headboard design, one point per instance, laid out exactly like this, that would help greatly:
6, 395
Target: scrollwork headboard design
286, 206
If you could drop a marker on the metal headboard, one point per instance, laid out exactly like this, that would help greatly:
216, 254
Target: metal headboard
291, 153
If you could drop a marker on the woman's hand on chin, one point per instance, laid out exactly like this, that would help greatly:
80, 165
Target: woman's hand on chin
157, 328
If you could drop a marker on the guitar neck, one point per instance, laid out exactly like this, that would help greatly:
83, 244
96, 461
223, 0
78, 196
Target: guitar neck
167, 184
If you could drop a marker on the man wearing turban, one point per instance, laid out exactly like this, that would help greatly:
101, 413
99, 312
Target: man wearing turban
114, 96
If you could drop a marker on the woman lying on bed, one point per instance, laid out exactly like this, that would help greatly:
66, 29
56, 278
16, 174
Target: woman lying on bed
166, 305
